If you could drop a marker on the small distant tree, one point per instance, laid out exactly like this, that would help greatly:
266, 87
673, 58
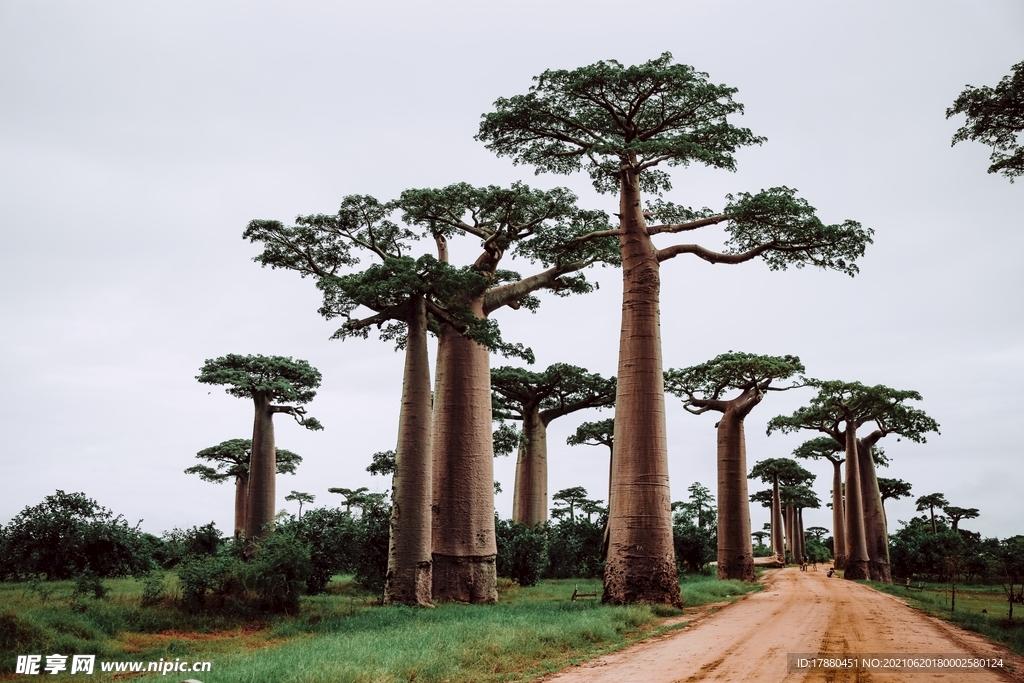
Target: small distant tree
353, 497
571, 498
955, 514
818, 532
301, 498
995, 117
232, 459
929, 503
264, 379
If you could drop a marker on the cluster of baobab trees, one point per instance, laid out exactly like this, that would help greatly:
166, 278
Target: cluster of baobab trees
623, 126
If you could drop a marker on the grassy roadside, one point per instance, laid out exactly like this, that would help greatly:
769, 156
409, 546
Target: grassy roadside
970, 601
342, 636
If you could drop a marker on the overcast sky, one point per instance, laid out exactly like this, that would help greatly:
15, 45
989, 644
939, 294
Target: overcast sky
138, 139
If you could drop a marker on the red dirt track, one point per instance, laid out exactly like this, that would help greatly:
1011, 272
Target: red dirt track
798, 612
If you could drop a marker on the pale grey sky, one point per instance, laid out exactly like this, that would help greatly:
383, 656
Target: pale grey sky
138, 139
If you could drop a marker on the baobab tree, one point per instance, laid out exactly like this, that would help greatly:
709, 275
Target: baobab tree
264, 380
955, 514
537, 226
838, 410
778, 472
535, 399
891, 489
703, 388
929, 503
301, 497
408, 296
232, 459
759, 536
817, 531
827, 448
618, 124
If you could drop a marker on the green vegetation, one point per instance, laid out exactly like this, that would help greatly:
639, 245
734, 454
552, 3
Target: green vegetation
342, 635
979, 608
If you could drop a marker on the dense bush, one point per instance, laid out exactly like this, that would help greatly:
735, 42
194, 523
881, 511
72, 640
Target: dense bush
331, 534
68, 534
271, 580
695, 546
575, 549
178, 544
522, 551
373, 532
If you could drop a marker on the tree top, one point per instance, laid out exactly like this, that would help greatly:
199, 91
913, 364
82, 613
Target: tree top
600, 117
558, 390
277, 377
842, 403
730, 371
787, 470
893, 489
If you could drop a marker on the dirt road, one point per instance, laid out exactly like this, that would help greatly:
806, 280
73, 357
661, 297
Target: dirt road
799, 612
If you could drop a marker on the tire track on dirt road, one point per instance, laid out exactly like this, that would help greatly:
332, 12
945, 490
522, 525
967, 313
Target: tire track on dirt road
798, 612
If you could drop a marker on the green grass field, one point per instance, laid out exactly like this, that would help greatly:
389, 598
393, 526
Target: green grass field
971, 600
340, 637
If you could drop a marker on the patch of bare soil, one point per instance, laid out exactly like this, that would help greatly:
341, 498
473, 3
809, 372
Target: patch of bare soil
798, 612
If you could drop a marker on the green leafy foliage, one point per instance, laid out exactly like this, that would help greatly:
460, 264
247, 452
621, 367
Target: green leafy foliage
278, 377
695, 529
233, 457
576, 548
599, 433
383, 463
68, 534
594, 117
784, 230
787, 470
559, 390
838, 403
522, 551
332, 536
893, 489
181, 544
995, 117
729, 371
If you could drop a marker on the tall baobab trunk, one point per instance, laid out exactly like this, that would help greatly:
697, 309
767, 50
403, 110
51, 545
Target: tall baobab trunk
801, 539
838, 516
856, 541
641, 564
791, 532
462, 533
241, 494
735, 552
408, 580
262, 470
530, 497
874, 518
778, 540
